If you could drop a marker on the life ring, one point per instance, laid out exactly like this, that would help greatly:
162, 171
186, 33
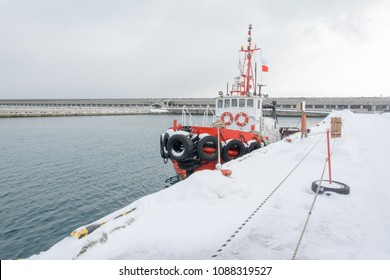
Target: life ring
230, 115
180, 147
237, 119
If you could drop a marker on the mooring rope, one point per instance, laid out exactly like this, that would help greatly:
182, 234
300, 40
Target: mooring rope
309, 213
313, 203
219, 124
219, 251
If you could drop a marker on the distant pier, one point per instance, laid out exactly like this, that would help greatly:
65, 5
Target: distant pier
82, 107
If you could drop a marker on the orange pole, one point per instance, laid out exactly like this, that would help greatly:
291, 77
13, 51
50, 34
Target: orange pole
329, 165
303, 126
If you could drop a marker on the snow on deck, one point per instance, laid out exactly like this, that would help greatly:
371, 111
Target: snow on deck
194, 218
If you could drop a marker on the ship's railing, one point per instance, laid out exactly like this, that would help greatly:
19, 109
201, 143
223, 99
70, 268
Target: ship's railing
184, 113
205, 121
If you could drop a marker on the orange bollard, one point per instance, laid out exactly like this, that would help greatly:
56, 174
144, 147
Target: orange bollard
303, 126
329, 165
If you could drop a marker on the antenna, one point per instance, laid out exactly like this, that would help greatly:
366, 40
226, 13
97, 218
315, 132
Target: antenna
260, 85
255, 77
247, 79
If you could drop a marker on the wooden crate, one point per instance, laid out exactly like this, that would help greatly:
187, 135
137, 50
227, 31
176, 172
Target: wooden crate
335, 128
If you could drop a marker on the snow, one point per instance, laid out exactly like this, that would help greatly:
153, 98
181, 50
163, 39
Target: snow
158, 110
194, 218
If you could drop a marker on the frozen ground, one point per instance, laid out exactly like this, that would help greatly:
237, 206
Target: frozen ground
194, 218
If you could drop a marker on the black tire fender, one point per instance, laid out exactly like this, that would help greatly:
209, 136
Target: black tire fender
189, 164
337, 187
253, 146
180, 147
163, 150
233, 145
208, 141
165, 143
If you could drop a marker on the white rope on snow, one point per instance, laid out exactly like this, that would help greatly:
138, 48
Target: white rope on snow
219, 251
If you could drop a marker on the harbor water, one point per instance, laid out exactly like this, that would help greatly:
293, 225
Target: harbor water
57, 174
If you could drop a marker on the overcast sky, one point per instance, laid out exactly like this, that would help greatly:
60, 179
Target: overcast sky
181, 48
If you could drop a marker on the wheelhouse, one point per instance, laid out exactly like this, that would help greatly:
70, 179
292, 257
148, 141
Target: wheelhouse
239, 112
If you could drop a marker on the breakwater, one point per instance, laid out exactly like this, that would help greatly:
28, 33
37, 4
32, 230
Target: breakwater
137, 106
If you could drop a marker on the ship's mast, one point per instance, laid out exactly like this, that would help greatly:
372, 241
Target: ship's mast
246, 82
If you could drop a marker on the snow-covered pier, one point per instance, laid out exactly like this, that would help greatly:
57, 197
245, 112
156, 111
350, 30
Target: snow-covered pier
259, 212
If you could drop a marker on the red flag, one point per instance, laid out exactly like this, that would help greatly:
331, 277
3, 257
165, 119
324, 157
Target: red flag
264, 67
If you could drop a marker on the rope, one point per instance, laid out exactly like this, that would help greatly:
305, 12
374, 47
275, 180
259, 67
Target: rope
266, 142
219, 124
309, 213
312, 205
264, 201
218, 166
298, 122
271, 132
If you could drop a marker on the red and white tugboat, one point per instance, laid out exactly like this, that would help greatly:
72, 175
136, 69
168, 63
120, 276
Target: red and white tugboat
242, 123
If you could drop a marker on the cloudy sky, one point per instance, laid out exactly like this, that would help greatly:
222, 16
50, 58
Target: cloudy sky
182, 48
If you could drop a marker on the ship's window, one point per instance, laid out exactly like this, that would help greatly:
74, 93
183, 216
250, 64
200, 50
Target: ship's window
242, 103
258, 104
249, 103
267, 112
227, 103
220, 103
234, 102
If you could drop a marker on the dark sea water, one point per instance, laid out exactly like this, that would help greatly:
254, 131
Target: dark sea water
57, 174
